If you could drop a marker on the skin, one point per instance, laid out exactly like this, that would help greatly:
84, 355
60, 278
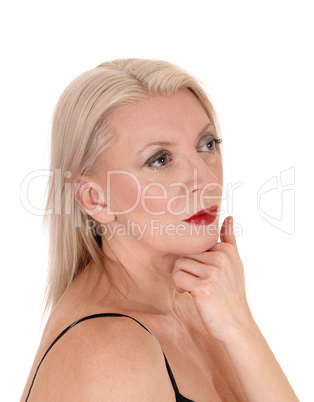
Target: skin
155, 255
187, 289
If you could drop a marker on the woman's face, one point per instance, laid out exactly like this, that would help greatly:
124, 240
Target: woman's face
163, 168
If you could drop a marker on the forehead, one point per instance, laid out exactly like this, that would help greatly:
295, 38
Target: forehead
159, 118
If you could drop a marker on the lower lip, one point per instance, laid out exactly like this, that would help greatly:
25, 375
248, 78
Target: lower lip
206, 218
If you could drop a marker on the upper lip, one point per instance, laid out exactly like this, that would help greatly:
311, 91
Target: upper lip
212, 210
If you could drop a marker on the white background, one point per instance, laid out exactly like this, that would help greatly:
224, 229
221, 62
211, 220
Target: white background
256, 59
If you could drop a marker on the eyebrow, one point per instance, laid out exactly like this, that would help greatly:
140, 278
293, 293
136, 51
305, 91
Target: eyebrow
167, 143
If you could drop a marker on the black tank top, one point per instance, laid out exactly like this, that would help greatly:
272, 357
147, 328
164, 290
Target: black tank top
179, 397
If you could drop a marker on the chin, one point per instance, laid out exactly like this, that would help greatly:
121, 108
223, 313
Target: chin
200, 244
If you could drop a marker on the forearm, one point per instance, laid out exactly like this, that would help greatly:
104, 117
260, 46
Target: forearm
259, 372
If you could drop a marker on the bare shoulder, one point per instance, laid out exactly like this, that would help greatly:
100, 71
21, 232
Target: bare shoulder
102, 359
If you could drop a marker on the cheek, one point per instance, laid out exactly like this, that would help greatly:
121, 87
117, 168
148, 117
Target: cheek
123, 192
126, 194
154, 197
160, 200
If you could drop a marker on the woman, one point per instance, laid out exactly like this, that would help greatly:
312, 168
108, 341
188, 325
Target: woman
146, 303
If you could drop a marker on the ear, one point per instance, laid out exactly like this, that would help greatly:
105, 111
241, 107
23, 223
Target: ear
90, 196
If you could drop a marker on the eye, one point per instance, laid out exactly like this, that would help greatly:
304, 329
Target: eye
209, 143
159, 160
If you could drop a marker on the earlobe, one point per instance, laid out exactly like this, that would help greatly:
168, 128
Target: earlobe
90, 196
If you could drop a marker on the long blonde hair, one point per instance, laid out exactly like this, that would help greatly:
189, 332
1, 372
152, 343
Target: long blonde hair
80, 134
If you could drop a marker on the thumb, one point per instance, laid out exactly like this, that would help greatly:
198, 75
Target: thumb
227, 233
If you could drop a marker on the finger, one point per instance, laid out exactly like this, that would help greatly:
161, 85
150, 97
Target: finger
184, 281
227, 232
192, 267
211, 258
180, 290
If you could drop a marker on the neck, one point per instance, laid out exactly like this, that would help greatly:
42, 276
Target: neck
145, 279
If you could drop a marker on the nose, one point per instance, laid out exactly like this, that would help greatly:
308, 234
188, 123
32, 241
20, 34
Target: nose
199, 174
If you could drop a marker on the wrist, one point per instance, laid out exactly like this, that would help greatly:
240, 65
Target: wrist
257, 368
241, 334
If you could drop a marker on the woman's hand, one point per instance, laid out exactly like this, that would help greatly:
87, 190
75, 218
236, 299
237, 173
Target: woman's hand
215, 280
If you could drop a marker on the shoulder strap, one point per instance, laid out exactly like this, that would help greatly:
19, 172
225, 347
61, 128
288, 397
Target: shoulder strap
89, 317
173, 381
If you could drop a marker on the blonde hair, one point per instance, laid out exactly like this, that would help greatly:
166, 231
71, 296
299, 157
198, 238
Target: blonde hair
80, 134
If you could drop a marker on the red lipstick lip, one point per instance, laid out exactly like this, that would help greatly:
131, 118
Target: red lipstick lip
204, 217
